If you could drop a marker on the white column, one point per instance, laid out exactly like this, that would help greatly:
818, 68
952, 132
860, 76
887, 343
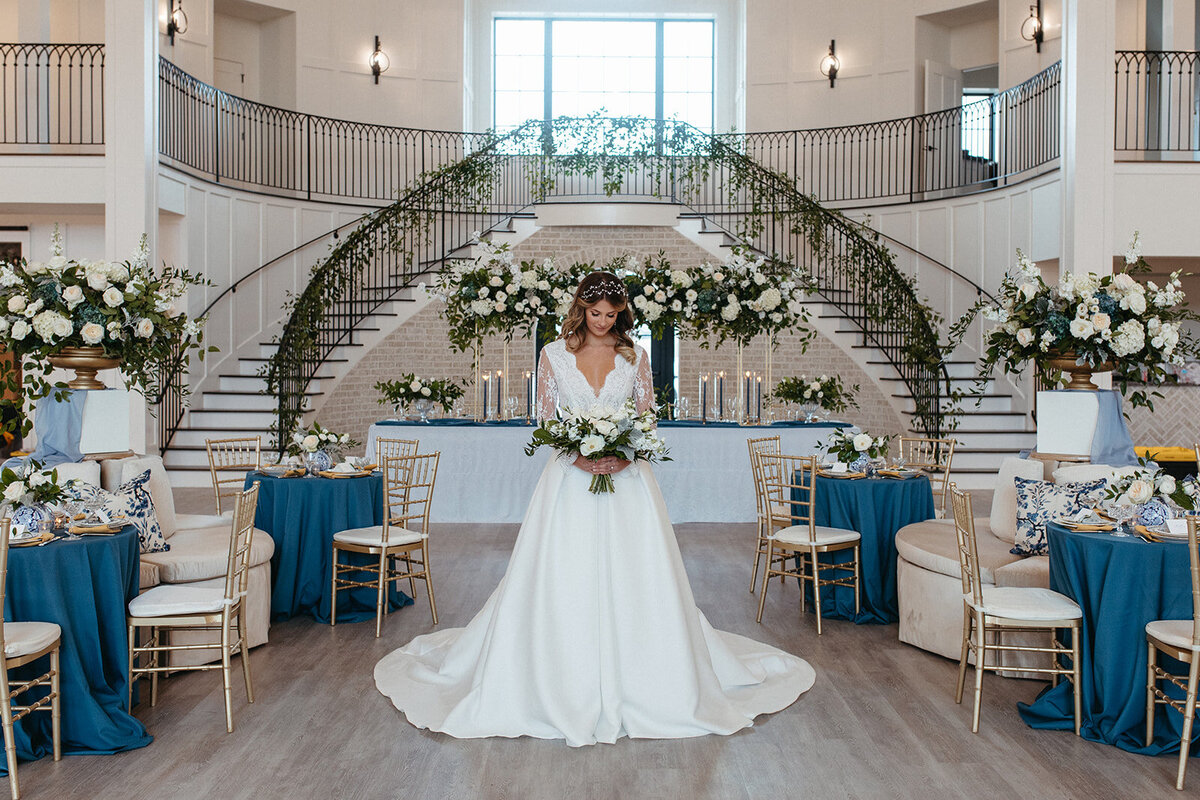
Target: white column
1179, 25
33, 21
130, 158
1089, 42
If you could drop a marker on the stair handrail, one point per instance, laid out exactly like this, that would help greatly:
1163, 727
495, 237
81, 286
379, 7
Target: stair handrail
674, 171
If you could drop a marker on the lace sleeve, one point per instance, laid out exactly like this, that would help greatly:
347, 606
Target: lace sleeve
643, 384
547, 390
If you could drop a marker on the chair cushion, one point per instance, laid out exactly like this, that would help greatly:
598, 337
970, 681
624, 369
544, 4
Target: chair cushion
1039, 502
160, 488
1029, 571
170, 601
202, 553
23, 638
1075, 473
1027, 603
1175, 632
932, 545
798, 535
133, 501
1004, 498
185, 522
373, 536
86, 471
147, 575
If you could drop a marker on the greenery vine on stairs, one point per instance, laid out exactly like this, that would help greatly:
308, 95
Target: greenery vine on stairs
442, 211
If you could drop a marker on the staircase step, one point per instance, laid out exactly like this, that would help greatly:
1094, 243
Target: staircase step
242, 401
230, 419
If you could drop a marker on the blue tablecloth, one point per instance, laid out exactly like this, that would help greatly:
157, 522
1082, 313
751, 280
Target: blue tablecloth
1121, 583
877, 508
83, 585
302, 515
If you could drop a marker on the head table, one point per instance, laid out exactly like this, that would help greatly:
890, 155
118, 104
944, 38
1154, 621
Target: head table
83, 585
877, 508
1121, 583
485, 470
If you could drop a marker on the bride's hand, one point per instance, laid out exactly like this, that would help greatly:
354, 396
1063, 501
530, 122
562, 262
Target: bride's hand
608, 465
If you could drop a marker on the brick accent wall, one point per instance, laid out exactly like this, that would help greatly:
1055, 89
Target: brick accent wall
1175, 421
421, 344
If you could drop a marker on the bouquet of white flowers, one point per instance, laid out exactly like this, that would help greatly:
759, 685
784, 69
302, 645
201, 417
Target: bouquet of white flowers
318, 438
601, 432
410, 388
1140, 486
847, 447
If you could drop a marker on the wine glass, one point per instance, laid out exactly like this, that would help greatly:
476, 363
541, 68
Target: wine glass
1123, 514
510, 407
683, 408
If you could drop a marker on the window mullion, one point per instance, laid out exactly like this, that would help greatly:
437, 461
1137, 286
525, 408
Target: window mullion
548, 75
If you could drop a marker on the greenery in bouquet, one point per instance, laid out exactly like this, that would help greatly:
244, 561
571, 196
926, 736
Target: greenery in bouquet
660, 296
1146, 482
31, 485
410, 388
319, 438
745, 297
846, 447
601, 432
827, 392
132, 312
1104, 321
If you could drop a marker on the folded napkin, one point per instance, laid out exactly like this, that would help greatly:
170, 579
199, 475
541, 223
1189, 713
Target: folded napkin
831, 474
101, 527
899, 473
344, 468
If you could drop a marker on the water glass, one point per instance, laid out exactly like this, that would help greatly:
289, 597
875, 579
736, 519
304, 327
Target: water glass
683, 408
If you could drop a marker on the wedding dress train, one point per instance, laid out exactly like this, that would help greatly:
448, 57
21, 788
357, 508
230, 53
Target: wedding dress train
593, 633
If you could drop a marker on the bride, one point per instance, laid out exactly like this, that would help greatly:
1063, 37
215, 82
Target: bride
593, 633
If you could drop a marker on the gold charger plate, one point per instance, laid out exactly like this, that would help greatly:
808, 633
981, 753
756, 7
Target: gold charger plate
1160, 536
1086, 527
328, 473
828, 474
110, 527
45, 537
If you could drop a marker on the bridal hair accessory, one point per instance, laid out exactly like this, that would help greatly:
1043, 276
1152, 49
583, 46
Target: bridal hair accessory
605, 287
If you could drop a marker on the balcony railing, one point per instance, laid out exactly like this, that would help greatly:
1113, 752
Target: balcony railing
52, 98
228, 139
961, 150
1158, 105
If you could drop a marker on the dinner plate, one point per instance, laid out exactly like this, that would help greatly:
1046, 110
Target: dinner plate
328, 473
1085, 526
23, 536
827, 474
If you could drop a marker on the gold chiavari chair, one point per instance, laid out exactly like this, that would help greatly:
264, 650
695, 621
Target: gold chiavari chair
401, 542
934, 456
1180, 639
765, 444
167, 606
996, 610
21, 643
790, 483
237, 456
395, 448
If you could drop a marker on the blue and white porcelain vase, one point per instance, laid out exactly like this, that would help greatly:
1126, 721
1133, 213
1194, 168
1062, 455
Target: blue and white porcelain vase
1155, 512
318, 461
32, 515
860, 464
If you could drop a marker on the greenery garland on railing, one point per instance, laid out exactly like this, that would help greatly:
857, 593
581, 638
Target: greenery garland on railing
670, 160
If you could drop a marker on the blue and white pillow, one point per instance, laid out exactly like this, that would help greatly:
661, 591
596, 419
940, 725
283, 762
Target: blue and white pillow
132, 501
1039, 502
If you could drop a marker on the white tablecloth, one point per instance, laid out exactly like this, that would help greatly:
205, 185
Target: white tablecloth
485, 476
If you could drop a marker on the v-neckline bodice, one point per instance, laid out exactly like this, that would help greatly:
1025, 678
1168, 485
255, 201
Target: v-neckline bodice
603, 383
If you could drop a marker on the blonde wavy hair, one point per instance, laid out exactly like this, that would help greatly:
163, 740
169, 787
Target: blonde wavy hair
591, 290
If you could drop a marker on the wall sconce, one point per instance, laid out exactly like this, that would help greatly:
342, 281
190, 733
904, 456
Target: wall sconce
379, 61
176, 21
830, 63
1031, 28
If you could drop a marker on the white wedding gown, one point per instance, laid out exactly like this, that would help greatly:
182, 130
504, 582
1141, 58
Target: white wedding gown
593, 633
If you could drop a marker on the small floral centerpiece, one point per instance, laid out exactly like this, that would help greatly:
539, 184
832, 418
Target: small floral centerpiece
120, 313
826, 392
600, 432
1150, 494
30, 492
855, 450
422, 393
1089, 322
320, 447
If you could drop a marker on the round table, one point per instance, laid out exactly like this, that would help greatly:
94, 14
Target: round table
877, 508
84, 585
1120, 583
302, 515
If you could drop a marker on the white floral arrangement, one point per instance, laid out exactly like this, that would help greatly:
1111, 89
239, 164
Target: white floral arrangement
132, 312
1146, 482
30, 485
1104, 321
319, 438
847, 447
601, 432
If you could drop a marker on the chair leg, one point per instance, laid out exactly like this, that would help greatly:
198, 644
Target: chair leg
1189, 716
154, 662
816, 584
857, 581
333, 589
429, 583
762, 595
1076, 673
758, 551
226, 678
129, 687
381, 595
245, 651
962, 660
55, 705
10, 744
980, 661
1151, 662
